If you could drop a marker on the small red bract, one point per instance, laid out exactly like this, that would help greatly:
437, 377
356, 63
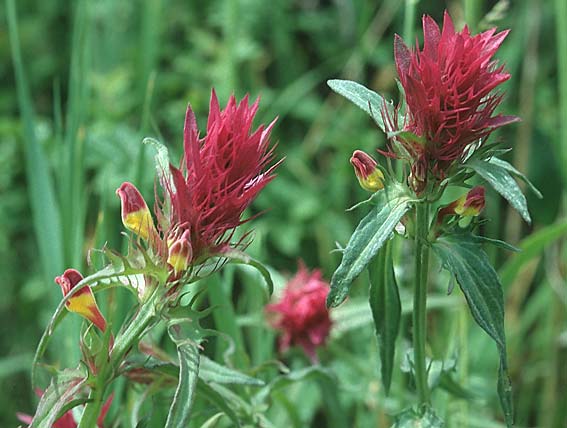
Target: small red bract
301, 314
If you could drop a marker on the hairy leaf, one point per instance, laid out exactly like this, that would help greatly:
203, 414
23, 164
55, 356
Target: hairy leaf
386, 309
374, 229
462, 255
364, 98
501, 180
422, 418
188, 352
211, 371
503, 164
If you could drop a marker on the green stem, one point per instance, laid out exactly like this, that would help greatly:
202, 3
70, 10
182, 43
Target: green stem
420, 298
123, 343
409, 21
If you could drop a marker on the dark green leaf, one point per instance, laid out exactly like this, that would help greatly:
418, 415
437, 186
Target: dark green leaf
503, 164
210, 371
374, 229
62, 390
501, 180
217, 399
188, 352
386, 309
362, 97
462, 255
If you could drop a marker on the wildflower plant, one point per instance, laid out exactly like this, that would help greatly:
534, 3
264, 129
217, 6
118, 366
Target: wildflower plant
189, 236
439, 135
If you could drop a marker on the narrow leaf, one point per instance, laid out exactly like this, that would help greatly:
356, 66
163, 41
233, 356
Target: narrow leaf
364, 98
240, 257
386, 310
218, 400
422, 418
503, 164
211, 371
180, 409
462, 255
374, 229
501, 180
54, 400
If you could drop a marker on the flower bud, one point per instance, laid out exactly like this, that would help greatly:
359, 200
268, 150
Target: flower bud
369, 175
471, 204
136, 216
180, 253
82, 302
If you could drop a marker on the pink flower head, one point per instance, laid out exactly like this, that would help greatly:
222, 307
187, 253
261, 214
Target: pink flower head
82, 302
301, 314
220, 174
449, 89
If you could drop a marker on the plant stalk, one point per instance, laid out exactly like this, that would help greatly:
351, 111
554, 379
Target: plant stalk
420, 298
123, 343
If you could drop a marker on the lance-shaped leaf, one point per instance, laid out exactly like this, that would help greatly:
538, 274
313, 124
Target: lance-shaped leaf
424, 417
386, 309
364, 98
390, 204
500, 179
462, 255
54, 401
182, 404
240, 257
516, 173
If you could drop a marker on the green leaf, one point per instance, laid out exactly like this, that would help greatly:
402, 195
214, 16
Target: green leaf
462, 255
62, 390
391, 204
386, 309
364, 98
503, 164
216, 398
188, 353
211, 371
240, 257
418, 418
161, 160
501, 180
531, 247
292, 377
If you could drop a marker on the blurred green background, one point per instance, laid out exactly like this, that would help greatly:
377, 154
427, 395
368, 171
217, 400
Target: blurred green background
95, 77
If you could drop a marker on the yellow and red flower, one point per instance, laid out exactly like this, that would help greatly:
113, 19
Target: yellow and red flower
367, 172
470, 204
81, 302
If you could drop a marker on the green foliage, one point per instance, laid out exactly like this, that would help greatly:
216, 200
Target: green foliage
144, 61
462, 255
386, 309
388, 207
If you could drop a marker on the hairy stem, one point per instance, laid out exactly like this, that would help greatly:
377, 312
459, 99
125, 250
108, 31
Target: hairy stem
420, 298
123, 343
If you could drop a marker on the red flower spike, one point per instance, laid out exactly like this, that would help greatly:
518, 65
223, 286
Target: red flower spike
136, 216
301, 314
449, 88
369, 175
82, 302
220, 175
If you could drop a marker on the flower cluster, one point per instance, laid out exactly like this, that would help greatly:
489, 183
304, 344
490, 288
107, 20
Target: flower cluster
449, 91
219, 176
301, 314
